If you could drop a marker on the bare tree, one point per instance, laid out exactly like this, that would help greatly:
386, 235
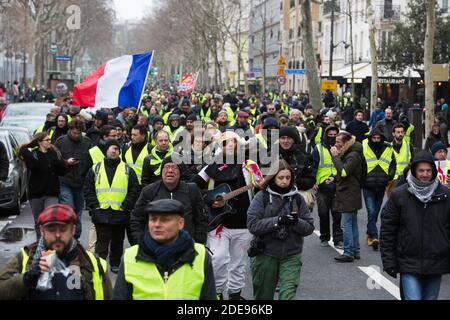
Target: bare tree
428, 62
373, 55
310, 54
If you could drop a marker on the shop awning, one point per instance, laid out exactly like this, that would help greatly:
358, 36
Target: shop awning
345, 72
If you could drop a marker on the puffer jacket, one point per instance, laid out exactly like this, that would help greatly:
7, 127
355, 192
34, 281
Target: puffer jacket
262, 221
348, 188
414, 236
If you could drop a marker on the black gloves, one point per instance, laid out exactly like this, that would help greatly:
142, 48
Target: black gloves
392, 272
288, 220
31, 277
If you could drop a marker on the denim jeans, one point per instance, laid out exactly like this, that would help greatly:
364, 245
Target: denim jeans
73, 197
349, 223
373, 200
420, 287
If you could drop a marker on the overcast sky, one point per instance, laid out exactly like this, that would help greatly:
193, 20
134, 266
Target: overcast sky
131, 9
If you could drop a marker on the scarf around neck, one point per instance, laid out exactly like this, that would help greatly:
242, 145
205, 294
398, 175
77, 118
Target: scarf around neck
421, 190
167, 255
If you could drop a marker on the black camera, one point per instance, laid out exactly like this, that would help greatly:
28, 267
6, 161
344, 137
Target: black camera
256, 247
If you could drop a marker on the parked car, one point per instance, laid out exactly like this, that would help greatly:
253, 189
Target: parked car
21, 134
14, 189
29, 115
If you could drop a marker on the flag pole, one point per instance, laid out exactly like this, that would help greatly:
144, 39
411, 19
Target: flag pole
146, 78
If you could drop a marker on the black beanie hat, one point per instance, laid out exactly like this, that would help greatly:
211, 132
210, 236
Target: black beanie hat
290, 132
110, 143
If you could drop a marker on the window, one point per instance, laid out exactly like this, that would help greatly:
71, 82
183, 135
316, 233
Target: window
291, 33
279, 35
253, 39
319, 26
271, 33
444, 8
299, 32
292, 4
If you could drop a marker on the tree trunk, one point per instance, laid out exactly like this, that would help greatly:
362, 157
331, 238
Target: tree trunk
352, 61
373, 57
428, 62
310, 60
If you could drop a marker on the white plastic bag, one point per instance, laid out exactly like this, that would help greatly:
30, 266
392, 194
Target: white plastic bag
56, 265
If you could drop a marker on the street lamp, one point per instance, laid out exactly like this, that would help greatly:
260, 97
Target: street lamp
346, 45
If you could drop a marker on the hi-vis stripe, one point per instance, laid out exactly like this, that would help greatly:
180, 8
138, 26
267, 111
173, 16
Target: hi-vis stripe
111, 190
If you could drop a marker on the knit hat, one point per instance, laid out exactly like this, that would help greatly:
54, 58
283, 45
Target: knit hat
271, 122
110, 143
290, 132
157, 119
438, 146
242, 114
102, 116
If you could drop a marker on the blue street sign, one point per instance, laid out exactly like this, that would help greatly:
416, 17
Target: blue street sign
63, 58
255, 70
295, 71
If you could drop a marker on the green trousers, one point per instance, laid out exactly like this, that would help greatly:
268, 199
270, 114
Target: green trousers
268, 271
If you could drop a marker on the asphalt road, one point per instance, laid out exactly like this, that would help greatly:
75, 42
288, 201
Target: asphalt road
321, 277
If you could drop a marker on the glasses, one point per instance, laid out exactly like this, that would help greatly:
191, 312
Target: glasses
48, 140
170, 167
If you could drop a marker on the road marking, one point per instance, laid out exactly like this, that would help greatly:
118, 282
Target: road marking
382, 281
331, 243
12, 217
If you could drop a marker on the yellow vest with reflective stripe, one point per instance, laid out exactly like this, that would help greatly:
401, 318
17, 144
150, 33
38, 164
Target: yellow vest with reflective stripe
326, 167
96, 154
407, 136
184, 284
144, 111
166, 117
137, 167
50, 134
96, 277
40, 129
231, 113
372, 160
172, 135
285, 108
318, 136
403, 158
156, 160
111, 196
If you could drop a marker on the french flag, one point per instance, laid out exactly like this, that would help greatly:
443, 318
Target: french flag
117, 83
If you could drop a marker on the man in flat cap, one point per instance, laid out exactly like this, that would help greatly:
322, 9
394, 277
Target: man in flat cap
166, 265
87, 280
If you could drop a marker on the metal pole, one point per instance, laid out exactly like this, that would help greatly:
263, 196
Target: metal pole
330, 72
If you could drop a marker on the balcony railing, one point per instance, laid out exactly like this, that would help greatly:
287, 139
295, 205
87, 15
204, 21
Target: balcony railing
387, 13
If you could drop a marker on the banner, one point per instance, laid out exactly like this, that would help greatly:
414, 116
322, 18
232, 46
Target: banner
188, 82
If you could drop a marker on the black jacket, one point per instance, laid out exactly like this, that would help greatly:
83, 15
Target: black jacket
415, 237
4, 162
377, 179
386, 126
94, 134
75, 149
305, 177
123, 290
110, 216
44, 169
187, 193
432, 139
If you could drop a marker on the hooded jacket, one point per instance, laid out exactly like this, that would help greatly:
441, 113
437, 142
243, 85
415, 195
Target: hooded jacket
262, 221
415, 236
377, 179
348, 166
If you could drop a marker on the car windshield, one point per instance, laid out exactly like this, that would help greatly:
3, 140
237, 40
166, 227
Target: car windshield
31, 125
26, 110
20, 136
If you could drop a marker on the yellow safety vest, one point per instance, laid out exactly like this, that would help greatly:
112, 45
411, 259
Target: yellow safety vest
96, 154
166, 117
372, 160
156, 160
184, 284
326, 167
144, 111
318, 136
403, 158
137, 167
261, 140
50, 134
285, 108
407, 136
96, 277
172, 135
207, 117
230, 113
40, 129
111, 196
